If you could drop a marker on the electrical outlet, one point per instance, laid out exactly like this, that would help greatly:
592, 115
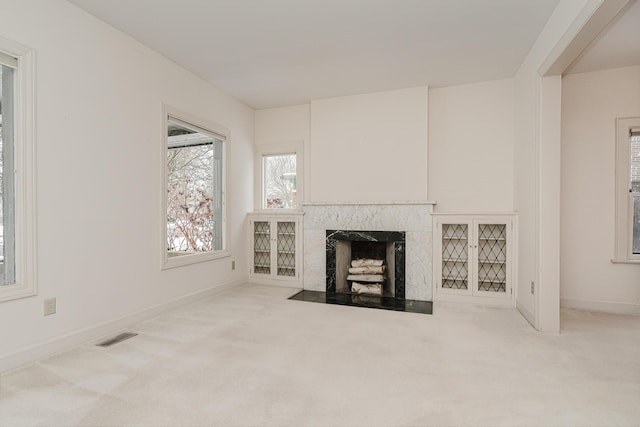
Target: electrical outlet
533, 287
49, 306
233, 265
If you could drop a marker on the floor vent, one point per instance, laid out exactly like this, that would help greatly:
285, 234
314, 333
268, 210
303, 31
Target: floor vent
117, 339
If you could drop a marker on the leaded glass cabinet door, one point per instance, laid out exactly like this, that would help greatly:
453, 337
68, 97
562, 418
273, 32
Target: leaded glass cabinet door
286, 249
473, 256
275, 249
261, 247
454, 258
492, 258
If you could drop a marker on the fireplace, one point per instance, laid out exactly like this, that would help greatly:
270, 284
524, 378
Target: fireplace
414, 219
383, 272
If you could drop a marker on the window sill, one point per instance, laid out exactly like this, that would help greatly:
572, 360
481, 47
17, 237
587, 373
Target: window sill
625, 261
180, 261
13, 292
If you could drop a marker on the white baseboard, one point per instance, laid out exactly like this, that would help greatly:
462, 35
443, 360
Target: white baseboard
275, 282
481, 301
601, 306
64, 342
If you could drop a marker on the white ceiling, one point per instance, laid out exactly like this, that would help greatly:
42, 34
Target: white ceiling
617, 46
271, 53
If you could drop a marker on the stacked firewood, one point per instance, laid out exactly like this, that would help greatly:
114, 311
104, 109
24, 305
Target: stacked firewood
367, 276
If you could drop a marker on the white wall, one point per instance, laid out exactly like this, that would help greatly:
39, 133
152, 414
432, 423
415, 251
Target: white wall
369, 148
537, 166
471, 147
282, 125
100, 151
362, 148
590, 104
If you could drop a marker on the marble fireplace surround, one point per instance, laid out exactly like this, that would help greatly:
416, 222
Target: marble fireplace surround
414, 218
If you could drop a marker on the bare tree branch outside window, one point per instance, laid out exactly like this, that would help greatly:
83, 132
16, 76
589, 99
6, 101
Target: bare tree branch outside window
191, 214
280, 181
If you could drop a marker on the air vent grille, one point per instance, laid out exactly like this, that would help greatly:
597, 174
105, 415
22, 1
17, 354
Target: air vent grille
118, 338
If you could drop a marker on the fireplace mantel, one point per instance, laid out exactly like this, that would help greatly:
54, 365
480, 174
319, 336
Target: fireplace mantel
418, 203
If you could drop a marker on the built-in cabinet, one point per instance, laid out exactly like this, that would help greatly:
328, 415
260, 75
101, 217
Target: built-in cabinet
275, 249
474, 257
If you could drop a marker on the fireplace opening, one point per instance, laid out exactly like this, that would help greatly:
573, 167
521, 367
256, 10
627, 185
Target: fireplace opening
364, 267
366, 263
368, 250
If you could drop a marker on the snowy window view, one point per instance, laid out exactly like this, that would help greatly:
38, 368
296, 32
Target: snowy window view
279, 181
194, 190
7, 224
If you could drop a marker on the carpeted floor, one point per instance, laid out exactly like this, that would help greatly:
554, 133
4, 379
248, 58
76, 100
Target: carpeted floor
252, 357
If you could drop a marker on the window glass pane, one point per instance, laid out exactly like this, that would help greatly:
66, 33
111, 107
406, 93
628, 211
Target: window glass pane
635, 164
194, 191
636, 225
279, 181
7, 180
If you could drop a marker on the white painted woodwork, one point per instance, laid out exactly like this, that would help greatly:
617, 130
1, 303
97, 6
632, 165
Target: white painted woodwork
477, 258
275, 273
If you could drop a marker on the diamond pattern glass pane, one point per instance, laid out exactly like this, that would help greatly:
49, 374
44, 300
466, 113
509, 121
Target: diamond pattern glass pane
261, 247
286, 248
455, 256
492, 257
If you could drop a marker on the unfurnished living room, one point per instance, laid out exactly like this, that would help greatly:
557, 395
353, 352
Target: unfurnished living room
319, 213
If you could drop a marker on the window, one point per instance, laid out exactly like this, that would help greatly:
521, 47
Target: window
194, 226
280, 180
17, 172
7, 186
634, 184
628, 190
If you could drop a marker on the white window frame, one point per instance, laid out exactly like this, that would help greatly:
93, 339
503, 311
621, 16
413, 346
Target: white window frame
278, 150
216, 129
624, 198
25, 172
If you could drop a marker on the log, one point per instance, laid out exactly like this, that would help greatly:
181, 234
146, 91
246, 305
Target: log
367, 262
363, 288
368, 270
375, 278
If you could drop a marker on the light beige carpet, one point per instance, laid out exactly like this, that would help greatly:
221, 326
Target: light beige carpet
252, 357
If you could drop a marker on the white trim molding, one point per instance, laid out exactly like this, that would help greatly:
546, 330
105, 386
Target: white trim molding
614, 307
624, 197
283, 148
218, 131
25, 173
